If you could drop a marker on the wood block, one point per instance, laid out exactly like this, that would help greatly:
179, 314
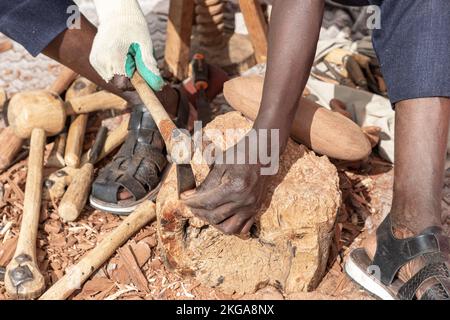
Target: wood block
289, 247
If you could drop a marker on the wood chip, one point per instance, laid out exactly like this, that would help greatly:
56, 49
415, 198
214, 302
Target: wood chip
98, 285
129, 261
7, 251
142, 252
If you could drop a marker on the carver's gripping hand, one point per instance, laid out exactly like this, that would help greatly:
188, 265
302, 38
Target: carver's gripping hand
230, 196
123, 43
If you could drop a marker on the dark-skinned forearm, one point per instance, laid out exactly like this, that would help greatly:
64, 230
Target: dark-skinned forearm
72, 49
293, 35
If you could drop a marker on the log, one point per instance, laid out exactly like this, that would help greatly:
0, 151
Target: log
290, 241
325, 132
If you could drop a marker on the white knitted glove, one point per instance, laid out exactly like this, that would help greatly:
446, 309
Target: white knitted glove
123, 43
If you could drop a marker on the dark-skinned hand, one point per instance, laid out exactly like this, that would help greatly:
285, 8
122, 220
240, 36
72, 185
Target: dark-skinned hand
229, 198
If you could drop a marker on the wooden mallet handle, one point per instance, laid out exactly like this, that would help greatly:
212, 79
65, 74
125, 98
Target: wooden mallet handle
23, 268
75, 197
75, 137
156, 109
64, 80
98, 101
80, 272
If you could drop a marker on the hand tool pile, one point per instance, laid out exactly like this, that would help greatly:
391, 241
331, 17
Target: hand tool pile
359, 70
36, 115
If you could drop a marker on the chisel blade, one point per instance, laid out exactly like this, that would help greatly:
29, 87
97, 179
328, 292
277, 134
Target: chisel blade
185, 178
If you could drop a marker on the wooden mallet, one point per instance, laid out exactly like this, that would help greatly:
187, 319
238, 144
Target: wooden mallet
36, 114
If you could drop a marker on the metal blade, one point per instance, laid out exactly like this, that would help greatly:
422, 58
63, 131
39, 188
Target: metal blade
203, 108
99, 142
185, 178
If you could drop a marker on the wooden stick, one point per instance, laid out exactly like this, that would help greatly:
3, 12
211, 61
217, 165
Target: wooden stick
257, 27
80, 272
56, 157
178, 40
156, 109
10, 147
64, 80
75, 197
98, 101
75, 137
25, 254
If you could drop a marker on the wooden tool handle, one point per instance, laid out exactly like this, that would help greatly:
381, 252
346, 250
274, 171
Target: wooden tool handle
98, 101
79, 273
25, 254
76, 195
64, 80
56, 158
115, 139
10, 145
75, 140
156, 109
75, 137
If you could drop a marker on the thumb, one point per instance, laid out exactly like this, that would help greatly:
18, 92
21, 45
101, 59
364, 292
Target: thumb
146, 65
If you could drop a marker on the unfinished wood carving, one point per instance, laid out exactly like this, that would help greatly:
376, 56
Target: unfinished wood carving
289, 244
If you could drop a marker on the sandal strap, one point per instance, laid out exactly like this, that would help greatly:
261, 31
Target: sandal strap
439, 271
393, 253
138, 164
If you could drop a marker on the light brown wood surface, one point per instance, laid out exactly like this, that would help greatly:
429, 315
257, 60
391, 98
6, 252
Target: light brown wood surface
98, 101
10, 145
36, 109
56, 157
77, 130
115, 138
63, 81
79, 273
178, 41
322, 130
26, 245
75, 197
156, 109
257, 27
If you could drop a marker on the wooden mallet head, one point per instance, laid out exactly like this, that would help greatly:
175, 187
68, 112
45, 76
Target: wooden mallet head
36, 110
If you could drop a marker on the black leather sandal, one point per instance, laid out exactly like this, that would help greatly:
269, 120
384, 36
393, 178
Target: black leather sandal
379, 276
139, 165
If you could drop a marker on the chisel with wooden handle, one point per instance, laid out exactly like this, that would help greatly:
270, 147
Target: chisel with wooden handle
168, 130
77, 194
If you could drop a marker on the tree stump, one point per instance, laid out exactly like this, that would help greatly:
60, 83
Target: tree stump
289, 244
